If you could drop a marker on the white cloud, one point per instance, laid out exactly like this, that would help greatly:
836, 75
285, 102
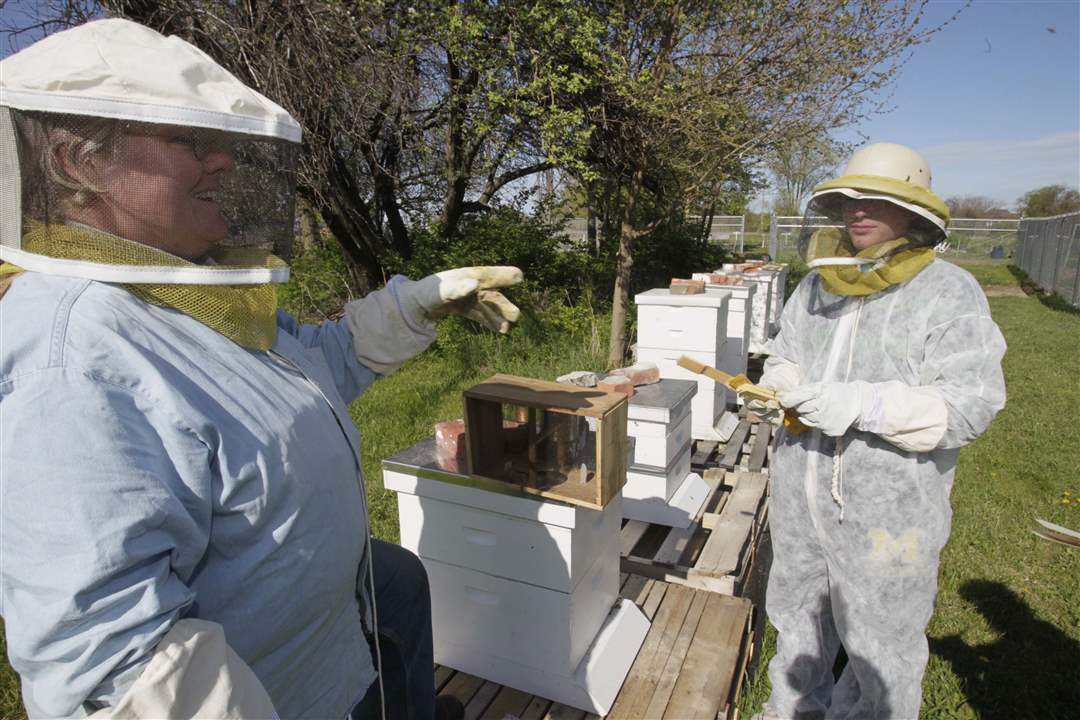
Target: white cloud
1005, 169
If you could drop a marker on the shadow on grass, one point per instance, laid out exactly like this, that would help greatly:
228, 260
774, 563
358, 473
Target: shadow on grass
1030, 672
1050, 300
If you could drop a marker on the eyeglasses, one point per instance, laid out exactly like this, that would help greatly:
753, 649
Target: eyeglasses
200, 141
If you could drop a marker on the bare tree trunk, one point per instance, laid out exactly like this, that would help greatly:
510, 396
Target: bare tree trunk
624, 263
590, 218
706, 223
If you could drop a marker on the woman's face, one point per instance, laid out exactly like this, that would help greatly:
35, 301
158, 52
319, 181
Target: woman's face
160, 188
870, 222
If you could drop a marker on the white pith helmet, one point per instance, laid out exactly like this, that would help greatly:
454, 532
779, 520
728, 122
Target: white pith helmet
891, 172
890, 160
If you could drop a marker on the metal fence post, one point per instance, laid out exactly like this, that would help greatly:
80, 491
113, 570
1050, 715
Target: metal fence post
774, 236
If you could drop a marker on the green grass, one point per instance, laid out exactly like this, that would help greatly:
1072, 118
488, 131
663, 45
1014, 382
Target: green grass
1005, 636
989, 272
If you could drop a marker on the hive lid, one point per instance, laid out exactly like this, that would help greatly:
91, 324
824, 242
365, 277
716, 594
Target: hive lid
664, 395
662, 296
553, 396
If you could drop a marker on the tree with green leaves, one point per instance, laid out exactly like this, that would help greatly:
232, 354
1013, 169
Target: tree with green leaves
413, 113
1049, 200
692, 94
797, 167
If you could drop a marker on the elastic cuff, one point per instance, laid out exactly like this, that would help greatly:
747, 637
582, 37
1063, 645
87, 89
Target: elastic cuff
872, 415
419, 323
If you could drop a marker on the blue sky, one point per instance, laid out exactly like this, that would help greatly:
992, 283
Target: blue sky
992, 101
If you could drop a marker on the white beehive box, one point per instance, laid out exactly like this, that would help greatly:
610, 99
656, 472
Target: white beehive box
523, 587
760, 309
658, 419
670, 326
648, 483
733, 357
776, 305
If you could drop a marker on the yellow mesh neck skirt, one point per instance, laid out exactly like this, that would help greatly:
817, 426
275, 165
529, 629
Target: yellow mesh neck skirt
246, 314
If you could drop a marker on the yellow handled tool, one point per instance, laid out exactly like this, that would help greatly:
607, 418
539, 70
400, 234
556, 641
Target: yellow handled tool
742, 385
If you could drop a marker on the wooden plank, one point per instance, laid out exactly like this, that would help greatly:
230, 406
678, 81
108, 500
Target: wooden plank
630, 535
688, 577
652, 602
666, 683
731, 534
734, 445
702, 452
483, 697
634, 589
674, 545
761, 447
564, 712
537, 709
463, 686
638, 688
508, 702
547, 395
705, 682
483, 420
611, 452
442, 676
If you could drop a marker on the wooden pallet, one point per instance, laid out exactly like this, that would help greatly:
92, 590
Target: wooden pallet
716, 552
691, 665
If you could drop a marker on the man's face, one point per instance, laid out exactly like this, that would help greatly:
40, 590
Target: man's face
870, 222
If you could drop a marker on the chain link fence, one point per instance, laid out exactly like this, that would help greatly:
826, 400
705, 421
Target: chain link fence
1048, 250
982, 237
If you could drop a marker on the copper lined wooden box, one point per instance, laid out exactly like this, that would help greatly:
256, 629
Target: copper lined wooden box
552, 450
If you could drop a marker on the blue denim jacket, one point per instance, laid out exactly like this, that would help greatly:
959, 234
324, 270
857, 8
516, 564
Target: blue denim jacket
152, 470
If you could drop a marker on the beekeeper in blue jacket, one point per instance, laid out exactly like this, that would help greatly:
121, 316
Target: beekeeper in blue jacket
892, 359
184, 528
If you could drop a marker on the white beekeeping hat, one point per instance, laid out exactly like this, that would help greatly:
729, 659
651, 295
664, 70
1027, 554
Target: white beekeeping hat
126, 156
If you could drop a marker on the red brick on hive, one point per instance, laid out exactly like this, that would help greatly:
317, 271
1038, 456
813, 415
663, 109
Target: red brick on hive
616, 383
643, 373
684, 286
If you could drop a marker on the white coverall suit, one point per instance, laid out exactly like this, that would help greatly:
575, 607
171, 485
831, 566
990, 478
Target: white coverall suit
868, 581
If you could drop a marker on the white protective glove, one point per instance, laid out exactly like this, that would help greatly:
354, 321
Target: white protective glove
779, 375
463, 291
831, 407
397, 322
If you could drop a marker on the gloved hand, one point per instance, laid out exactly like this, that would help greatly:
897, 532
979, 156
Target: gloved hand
768, 410
394, 323
779, 375
832, 407
462, 291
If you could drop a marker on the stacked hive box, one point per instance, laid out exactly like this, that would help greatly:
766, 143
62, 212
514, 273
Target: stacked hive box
696, 325
524, 589
737, 347
760, 307
659, 485
776, 305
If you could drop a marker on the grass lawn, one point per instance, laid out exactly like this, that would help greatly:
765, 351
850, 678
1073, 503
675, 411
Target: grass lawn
1005, 640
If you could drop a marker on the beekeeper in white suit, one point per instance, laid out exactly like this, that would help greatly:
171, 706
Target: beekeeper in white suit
892, 359
184, 528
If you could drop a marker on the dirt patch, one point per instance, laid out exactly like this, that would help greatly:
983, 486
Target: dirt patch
1004, 291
